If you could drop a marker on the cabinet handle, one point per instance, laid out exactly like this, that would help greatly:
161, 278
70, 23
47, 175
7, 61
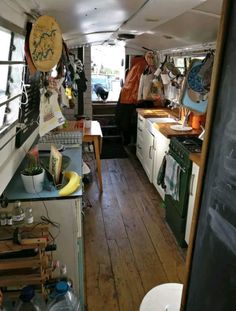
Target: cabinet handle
150, 154
191, 184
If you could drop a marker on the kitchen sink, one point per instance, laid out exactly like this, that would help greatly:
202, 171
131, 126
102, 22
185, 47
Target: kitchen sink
151, 121
161, 120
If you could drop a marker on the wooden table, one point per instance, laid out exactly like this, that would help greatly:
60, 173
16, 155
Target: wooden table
94, 135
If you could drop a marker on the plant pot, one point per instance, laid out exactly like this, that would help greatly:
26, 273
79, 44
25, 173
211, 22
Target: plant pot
34, 183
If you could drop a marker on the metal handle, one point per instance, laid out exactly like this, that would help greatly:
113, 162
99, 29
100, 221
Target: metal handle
150, 155
191, 184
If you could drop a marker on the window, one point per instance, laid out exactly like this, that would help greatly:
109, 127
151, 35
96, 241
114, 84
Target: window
107, 70
11, 68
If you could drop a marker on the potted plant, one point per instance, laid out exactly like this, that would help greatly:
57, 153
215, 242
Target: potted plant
33, 174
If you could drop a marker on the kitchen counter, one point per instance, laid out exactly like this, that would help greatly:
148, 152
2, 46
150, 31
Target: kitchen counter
156, 112
196, 158
164, 128
15, 189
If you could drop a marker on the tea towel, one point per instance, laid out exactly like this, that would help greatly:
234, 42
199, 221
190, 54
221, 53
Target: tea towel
172, 177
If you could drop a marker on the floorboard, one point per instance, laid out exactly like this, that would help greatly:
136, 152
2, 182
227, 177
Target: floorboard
129, 248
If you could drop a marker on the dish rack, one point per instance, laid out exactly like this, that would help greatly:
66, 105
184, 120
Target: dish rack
67, 138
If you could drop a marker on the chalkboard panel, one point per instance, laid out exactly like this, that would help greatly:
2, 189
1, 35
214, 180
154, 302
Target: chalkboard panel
212, 283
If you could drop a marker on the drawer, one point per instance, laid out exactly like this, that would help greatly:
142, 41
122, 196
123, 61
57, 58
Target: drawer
141, 122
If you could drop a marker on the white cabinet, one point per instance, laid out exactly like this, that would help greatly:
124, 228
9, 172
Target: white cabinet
144, 146
139, 144
148, 153
192, 193
161, 145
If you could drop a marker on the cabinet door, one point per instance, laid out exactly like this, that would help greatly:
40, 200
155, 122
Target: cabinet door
161, 145
148, 152
141, 122
192, 193
139, 144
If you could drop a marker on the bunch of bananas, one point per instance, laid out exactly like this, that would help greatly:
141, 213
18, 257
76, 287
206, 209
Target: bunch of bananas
72, 185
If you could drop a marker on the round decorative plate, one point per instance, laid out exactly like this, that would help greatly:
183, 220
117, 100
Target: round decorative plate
45, 43
180, 127
194, 96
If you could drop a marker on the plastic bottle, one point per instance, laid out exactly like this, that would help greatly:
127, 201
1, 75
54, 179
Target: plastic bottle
30, 301
18, 214
3, 219
29, 218
63, 299
9, 219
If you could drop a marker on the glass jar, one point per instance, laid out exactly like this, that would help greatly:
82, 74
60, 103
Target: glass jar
18, 214
29, 218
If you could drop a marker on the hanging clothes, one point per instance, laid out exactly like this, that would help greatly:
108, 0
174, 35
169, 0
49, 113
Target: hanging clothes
145, 83
146, 79
129, 92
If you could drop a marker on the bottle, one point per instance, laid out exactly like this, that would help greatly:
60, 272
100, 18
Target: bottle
63, 299
63, 275
29, 218
9, 219
18, 214
3, 219
29, 301
5, 303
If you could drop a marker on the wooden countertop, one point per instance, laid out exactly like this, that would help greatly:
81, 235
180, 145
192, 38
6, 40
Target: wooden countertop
196, 158
164, 128
155, 112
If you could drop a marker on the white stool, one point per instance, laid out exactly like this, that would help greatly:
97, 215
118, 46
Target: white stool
164, 297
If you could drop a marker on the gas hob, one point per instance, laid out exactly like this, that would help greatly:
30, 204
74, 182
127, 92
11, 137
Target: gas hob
191, 144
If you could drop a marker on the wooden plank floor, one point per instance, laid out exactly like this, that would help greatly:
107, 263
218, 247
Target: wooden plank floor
129, 248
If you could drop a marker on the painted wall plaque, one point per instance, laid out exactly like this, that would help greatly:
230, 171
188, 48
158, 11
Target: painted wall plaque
45, 43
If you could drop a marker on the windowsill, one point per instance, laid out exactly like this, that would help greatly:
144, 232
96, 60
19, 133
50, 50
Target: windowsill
7, 128
104, 102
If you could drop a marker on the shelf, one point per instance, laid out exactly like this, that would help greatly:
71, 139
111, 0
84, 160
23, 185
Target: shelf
104, 115
108, 127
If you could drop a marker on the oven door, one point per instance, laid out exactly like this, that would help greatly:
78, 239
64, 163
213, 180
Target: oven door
185, 175
176, 211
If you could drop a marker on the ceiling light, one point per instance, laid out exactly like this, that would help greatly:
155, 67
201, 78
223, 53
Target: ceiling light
167, 37
152, 20
126, 36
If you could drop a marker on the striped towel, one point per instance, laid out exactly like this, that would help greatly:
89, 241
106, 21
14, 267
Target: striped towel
172, 177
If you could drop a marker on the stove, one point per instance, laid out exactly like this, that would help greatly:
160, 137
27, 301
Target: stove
189, 144
176, 211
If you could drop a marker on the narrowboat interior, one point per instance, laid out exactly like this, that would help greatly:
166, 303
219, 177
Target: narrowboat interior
117, 155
